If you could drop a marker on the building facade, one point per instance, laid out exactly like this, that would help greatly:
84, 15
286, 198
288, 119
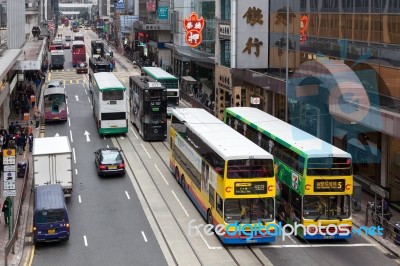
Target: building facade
329, 67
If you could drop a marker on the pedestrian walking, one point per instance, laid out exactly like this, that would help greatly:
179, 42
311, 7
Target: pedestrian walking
24, 138
30, 142
20, 143
5, 211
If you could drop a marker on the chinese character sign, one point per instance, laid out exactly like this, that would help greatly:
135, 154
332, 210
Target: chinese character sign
193, 27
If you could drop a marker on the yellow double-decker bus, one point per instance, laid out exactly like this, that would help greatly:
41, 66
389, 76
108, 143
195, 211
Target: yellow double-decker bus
228, 178
314, 178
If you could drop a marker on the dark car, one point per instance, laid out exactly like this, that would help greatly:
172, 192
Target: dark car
68, 38
81, 67
109, 161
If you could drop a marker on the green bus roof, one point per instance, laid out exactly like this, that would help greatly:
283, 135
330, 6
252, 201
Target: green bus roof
158, 73
290, 136
108, 81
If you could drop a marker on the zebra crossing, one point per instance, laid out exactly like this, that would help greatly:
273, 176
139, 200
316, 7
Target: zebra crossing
71, 77
68, 76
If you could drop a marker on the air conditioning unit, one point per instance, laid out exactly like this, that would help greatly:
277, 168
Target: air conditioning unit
29, 4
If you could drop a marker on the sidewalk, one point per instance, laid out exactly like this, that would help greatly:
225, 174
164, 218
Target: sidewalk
359, 219
24, 232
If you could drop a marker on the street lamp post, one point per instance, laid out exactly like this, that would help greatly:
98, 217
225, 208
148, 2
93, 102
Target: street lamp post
287, 61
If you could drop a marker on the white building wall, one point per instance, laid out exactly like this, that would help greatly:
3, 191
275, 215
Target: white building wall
184, 7
15, 23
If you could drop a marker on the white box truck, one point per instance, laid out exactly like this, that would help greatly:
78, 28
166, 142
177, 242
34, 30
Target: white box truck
52, 162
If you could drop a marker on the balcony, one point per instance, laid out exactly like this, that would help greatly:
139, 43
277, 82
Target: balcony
31, 7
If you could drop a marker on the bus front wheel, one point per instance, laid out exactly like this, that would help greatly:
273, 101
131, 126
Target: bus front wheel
183, 183
209, 217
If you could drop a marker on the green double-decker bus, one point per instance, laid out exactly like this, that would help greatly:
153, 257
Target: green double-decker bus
315, 178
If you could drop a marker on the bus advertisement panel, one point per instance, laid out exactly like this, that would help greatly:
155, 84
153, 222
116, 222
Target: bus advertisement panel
148, 107
78, 52
109, 103
315, 178
55, 104
167, 80
230, 179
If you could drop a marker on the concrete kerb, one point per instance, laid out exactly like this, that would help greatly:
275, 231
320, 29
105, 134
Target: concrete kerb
379, 241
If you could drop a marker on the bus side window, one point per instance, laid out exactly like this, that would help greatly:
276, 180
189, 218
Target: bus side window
296, 204
219, 204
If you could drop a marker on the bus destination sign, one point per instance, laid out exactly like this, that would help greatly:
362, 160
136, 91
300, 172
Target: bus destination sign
323, 185
248, 188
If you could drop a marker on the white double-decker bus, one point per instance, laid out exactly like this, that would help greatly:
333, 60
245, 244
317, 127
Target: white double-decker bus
109, 103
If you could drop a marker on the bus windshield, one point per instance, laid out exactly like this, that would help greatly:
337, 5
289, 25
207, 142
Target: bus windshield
113, 95
249, 210
252, 168
326, 207
55, 101
78, 48
329, 166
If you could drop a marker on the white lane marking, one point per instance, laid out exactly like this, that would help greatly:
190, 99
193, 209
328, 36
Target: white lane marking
292, 239
70, 133
165, 180
122, 137
319, 245
104, 137
145, 150
127, 195
76, 171
88, 98
144, 236
205, 241
134, 133
85, 240
67, 110
79, 199
187, 214
73, 151
66, 101
91, 106
108, 146
85, 90
69, 122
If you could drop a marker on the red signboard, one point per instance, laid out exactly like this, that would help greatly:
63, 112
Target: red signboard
150, 6
193, 27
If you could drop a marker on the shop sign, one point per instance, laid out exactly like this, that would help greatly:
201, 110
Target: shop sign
255, 100
193, 27
162, 12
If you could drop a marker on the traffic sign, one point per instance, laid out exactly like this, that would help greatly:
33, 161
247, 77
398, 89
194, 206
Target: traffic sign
9, 184
9, 176
9, 193
8, 152
9, 160
9, 168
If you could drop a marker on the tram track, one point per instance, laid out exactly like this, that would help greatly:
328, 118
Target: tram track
164, 200
157, 147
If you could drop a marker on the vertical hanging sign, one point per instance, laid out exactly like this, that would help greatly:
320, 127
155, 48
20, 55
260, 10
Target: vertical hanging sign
9, 172
193, 27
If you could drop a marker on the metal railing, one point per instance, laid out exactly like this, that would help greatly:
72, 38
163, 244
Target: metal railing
17, 221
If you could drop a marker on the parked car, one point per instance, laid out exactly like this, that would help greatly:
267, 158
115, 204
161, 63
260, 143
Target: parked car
109, 161
67, 45
68, 38
81, 68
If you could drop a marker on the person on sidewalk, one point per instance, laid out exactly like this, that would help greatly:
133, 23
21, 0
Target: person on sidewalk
20, 143
30, 142
24, 138
5, 211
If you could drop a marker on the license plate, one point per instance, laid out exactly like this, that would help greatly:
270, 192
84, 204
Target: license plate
51, 231
112, 167
113, 126
56, 117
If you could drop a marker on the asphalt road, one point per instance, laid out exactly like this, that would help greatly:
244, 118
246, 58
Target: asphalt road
108, 221
108, 224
